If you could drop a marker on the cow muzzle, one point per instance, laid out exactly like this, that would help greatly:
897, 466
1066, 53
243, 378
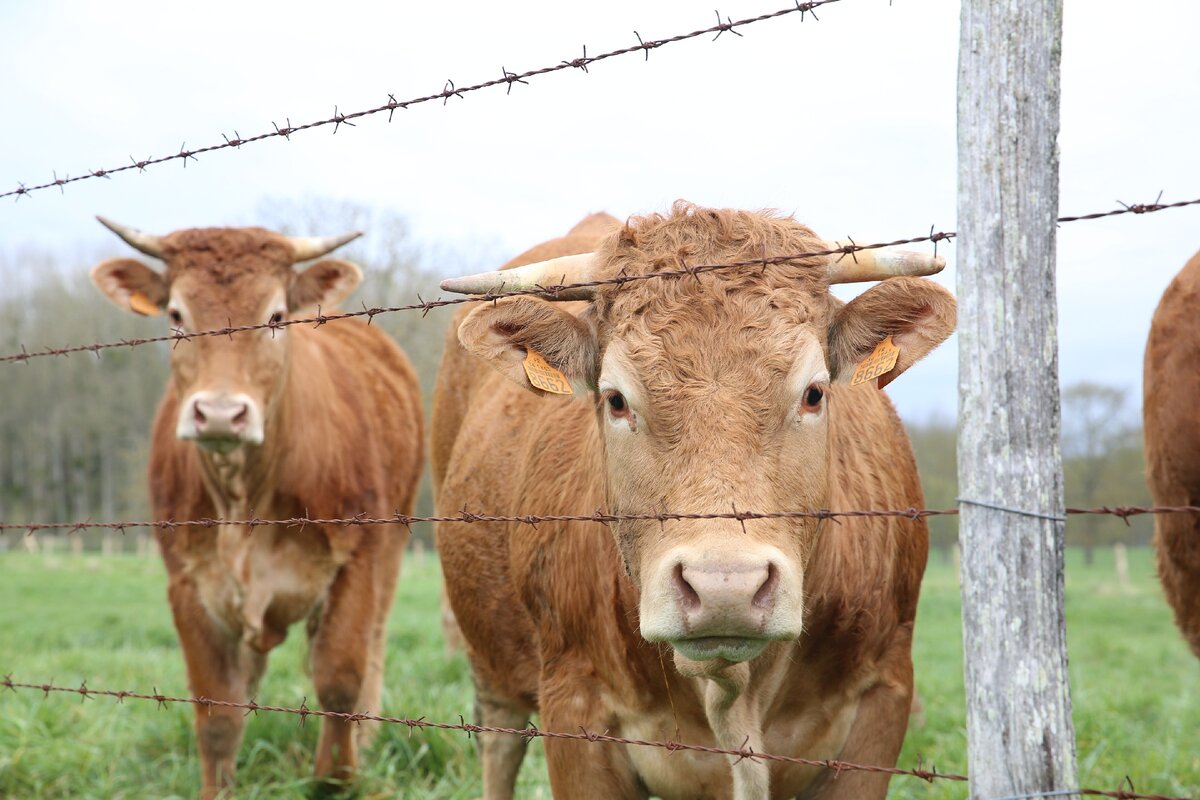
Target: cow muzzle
727, 605
219, 421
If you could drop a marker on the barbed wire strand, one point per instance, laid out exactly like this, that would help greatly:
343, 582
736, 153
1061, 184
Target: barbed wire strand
338, 119
598, 516
532, 732
425, 306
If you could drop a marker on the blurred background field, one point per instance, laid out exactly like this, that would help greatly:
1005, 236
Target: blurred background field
70, 618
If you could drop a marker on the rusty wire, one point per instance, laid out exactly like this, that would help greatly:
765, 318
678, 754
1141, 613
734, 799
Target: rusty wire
338, 119
425, 306
533, 732
598, 516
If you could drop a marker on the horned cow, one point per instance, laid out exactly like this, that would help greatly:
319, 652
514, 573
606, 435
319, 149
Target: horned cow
703, 393
279, 422
1170, 388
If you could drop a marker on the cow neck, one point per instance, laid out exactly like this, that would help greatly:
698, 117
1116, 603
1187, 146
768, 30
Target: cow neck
240, 482
737, 722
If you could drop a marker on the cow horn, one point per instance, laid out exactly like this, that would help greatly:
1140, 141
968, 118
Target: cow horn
150, 245
877, 264
307, 247
560, 271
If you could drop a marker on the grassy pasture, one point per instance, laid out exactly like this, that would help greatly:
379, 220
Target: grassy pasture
1136, 690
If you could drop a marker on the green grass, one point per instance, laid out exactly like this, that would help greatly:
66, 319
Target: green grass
1136, 691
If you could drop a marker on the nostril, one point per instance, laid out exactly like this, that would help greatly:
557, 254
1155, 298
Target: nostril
765, 596
198, 415
239, 419
688, 598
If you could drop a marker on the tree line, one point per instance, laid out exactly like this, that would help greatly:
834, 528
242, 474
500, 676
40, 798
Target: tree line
1103, 465
74, 431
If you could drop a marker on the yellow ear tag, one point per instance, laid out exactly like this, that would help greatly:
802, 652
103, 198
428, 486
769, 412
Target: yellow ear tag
142, 305
878, 363
544, 376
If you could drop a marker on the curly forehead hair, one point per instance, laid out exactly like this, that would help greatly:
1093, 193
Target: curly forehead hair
224, 255
693, 236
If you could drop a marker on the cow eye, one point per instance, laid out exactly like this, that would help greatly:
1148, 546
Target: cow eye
175, 317
618, 407
276, 318
814, 395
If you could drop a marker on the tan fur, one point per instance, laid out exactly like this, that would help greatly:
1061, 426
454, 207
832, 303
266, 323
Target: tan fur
1172, 440
548, 612
342, 437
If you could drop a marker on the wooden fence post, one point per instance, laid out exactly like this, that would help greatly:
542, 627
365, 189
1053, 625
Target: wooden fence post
1020, 735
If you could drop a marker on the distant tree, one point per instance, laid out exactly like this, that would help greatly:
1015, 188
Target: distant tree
1102, 462
1102, 465
70, 426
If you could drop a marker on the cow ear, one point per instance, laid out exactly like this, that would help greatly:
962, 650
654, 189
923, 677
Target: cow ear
504, 333
326, 283
131, 285
917, 314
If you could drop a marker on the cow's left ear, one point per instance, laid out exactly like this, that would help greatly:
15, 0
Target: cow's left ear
326, 283
917, 314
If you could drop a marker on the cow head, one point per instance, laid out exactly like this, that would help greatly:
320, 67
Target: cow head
226, 277
713, 392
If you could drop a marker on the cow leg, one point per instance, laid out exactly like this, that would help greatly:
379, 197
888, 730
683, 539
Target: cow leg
371, 696
217, 669
502, 753
581, 768
341, 655
878, 732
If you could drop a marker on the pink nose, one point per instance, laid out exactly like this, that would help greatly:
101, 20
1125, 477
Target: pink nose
220, 418
726, 599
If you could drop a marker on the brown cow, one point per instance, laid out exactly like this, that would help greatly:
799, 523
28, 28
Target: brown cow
274, 423
694, 394
1171, 388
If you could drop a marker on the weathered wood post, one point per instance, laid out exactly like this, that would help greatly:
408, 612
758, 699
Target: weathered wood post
1020, 735
1121, 561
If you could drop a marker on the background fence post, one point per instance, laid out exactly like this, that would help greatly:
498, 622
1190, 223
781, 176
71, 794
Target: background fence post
1020, 734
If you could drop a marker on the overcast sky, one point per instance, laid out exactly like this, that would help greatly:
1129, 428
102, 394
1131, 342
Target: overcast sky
848, 123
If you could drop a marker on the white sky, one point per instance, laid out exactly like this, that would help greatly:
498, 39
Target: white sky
849, 123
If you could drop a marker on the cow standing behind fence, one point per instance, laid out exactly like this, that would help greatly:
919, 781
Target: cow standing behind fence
702, 393
1171, 388
277, 422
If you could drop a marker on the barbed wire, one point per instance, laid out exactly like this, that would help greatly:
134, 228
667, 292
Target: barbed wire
425, 306
533, 732
598, 516
527, 733
507, 79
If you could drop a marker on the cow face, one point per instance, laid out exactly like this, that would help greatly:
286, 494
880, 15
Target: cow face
714, 393
228, 386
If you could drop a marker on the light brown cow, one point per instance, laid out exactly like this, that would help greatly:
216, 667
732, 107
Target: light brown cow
274, 423
693, 394
1171, 391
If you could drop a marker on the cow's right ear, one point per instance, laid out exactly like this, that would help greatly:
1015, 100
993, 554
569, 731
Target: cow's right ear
503, 333
131, 285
